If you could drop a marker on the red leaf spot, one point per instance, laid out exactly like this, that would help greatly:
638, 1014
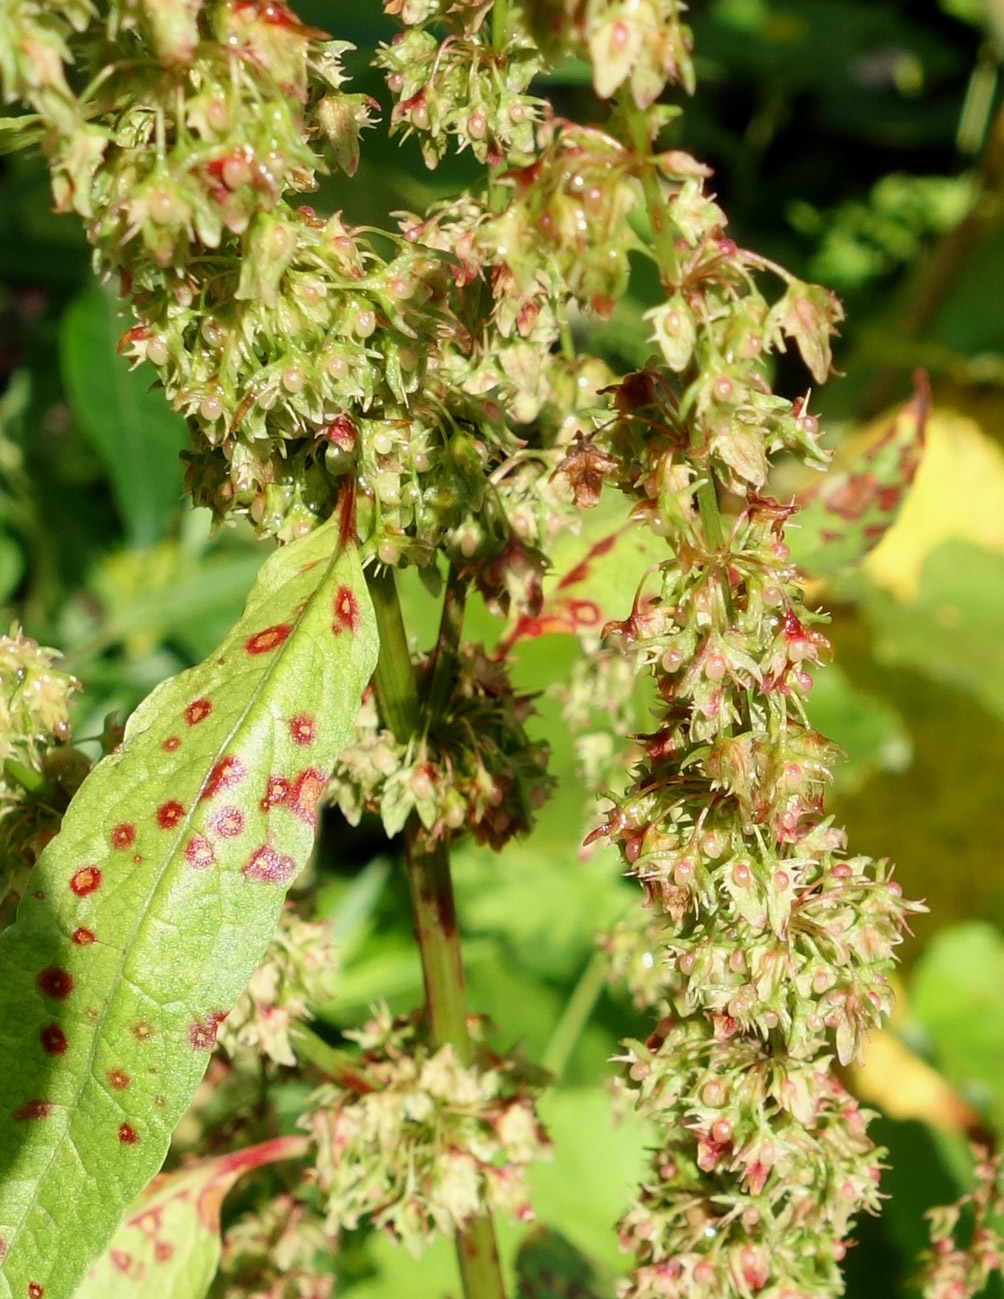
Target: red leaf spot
54, 982
268, 867
199, 853
118, 1079
306, 791
122, 835
143, 1030
35, 1291
197, 711
163, 1250
171, 743
169, 814
346, 610
120, 1260
85, 880
53, 1039
276, 793
228, 822
136, 858
302, 729
202, 1033
90, 1015
82, 937
3, 1250
127, 1134
269, 639
39, 894
223, 775
32, 1110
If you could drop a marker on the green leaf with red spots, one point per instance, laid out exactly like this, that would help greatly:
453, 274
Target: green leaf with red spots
146, 916
848, 514
168, 1244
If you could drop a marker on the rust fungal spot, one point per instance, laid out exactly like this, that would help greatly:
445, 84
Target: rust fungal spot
227, 822
53, 1039
35, 1291
169, 814
120, 1260
197, 711
122, 835
305, 794
269, 639
346, 610
276, 793
199, 853
127, 1134
31, 1110
136, 858
82, 937
267, 866
54, 982
172, 743
302, 729
40, 895
142, 1030
118, 1079
202, 1033
223, 775
90, 1015
85, 880
159, 1102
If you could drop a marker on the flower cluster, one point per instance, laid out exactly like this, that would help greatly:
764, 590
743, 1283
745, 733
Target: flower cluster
751, 1137
966, 1246
276, 1252
467, 87
296, 972
473, 770
432, 1143
39, 772
765, 949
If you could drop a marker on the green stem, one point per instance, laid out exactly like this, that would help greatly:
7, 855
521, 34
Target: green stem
433, 910
394, 679
338, 1065
576, 1015
665, 253
443, 668
500, 25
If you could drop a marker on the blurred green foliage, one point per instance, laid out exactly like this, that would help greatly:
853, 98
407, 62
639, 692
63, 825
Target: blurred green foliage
835, 128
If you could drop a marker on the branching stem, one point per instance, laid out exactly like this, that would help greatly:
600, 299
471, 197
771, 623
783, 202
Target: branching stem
431, 886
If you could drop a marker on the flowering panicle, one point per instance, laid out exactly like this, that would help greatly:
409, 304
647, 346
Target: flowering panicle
472, 771
424, 1142
767, 949
39, 772
966, 1245
297, 972
432, 378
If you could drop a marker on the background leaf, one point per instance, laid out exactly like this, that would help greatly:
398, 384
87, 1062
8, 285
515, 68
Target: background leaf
135, 432
148, 913
169, 1242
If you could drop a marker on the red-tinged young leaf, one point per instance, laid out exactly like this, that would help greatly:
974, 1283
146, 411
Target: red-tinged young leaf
168, 1244
150, 910
847, 515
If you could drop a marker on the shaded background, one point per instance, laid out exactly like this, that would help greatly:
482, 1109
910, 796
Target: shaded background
860, 143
